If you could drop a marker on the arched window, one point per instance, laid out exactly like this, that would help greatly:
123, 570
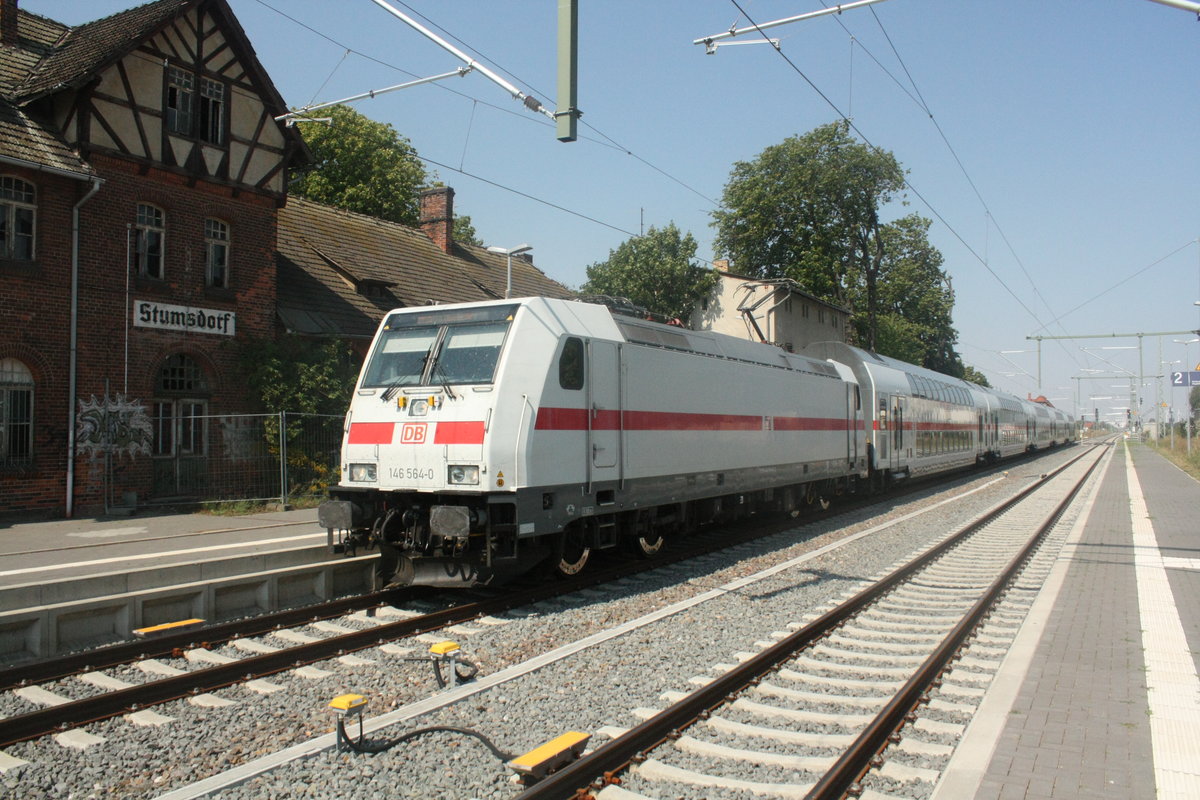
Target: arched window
180, 408
17, 213
16, 413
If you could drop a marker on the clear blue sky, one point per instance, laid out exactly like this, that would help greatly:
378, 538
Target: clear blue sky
1076, 121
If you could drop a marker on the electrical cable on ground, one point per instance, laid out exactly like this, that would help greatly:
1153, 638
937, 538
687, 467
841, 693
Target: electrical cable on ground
345, 742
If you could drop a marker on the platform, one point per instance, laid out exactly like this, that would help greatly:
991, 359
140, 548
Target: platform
67, 585
1099, 697
58, 549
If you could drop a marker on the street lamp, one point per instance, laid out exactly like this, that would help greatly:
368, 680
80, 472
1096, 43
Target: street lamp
510, 252
1185, 343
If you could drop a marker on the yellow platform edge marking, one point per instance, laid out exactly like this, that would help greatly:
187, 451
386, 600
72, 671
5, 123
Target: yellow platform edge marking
167, 626
550, 750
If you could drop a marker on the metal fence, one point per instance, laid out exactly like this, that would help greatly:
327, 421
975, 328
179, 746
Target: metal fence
247, 457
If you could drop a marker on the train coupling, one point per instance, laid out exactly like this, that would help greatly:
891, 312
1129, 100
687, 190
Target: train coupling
549, 757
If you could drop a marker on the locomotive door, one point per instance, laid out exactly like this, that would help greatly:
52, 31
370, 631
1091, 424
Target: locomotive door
882, 435
853, 424
604, 410
897, 431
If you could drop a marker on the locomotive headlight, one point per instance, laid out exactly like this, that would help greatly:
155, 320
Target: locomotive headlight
362, 472
462, 475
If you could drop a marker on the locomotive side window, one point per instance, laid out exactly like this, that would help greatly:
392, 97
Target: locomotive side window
570, 364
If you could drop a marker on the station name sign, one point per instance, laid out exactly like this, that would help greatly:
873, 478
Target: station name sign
147, 314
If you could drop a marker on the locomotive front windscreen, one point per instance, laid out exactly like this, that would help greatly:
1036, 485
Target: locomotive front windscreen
439, 347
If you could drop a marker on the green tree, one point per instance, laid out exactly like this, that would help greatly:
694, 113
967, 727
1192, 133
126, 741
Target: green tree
362, 165
656, 271
975, 376
312, 380
914, 300
808, 209
293, 373
464, 231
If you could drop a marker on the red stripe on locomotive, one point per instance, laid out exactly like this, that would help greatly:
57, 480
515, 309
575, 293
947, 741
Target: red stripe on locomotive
458, 433
371, 432
576, 419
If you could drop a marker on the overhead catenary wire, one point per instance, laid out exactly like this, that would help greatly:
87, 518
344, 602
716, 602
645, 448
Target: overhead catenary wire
607, 141
526, 195
919, 100
932, 209
502, 109
1120, 283
613, 143
954, 154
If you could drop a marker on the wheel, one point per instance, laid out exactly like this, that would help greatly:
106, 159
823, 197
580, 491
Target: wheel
647, 546
643, 534
573, 552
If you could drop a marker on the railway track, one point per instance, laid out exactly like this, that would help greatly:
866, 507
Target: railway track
131, 702
109, 696
841, 689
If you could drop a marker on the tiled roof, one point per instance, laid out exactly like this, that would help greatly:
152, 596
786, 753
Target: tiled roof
85, 50
25, 138
327, 258
36, 37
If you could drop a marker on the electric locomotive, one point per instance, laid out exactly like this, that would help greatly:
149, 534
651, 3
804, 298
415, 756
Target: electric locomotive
486, 438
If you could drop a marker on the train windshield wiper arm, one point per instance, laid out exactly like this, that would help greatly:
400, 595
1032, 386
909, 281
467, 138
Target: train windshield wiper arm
390, 391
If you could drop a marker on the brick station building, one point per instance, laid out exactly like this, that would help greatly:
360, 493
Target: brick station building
145, 235
141, 172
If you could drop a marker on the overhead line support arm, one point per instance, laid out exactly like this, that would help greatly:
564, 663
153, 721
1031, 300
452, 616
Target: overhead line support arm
532, 103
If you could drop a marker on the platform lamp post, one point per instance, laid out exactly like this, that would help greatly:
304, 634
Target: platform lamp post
509, 253
1187, 399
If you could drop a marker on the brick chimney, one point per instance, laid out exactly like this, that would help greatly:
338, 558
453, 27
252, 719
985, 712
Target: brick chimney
8, 22
437, 217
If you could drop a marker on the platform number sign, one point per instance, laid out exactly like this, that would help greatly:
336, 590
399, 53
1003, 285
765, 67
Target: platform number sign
1191, 378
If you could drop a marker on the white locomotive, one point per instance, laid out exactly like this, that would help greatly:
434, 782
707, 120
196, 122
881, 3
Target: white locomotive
486, 438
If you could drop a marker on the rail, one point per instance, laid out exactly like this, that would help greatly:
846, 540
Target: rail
602, 766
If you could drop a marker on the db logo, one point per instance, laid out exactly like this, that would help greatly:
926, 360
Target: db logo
413, 433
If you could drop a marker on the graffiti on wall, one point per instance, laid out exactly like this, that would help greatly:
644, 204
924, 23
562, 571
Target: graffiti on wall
114, 425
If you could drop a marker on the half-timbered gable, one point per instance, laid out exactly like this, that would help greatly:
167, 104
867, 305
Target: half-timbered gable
172, 84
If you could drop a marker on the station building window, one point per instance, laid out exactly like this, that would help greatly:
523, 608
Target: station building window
191, 113
211, 125
180, 408
149, 239
216, 254
16, 413
17, 213
180, 95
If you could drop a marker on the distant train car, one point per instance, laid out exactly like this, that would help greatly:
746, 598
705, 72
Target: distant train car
921, 421
484, 439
